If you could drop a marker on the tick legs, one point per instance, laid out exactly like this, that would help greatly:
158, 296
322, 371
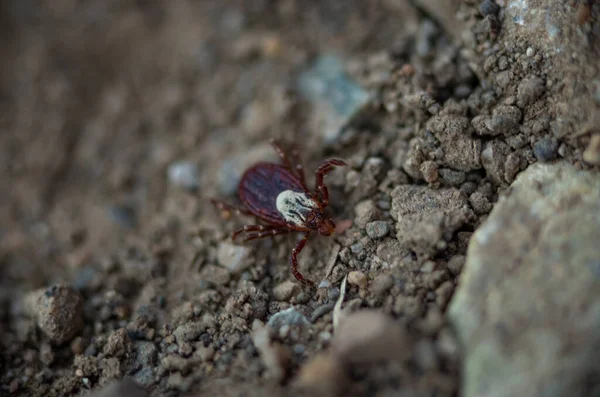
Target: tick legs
324, 169
259, 231
294, 261
294, 164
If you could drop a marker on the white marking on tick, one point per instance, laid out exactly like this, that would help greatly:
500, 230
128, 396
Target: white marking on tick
294, 206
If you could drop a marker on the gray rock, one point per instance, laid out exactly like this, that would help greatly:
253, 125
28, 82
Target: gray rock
427, 217
493, 159
529, 89
451, 177
546, 149
235, 258
365, 211
58, 310
377, 229
527, 310
290, 317
184, 174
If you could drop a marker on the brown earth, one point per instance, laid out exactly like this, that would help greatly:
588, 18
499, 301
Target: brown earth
116, 265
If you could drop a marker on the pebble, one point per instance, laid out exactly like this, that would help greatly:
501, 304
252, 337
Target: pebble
290, 316
377, 229
118, 343
205, 353
323, 373
58, 311
358, 278
529, 89
366, 211
488, 7
369, 336
480, 204
456, 263
591, 154
429, 170
235, 258
285, 290
452, 177
184, 174
493, 158
381, 284
545, 150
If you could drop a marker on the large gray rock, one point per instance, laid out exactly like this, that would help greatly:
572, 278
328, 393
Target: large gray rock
527, 310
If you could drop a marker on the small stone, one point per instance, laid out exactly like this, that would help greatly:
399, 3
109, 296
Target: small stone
118, 343
323, 373
481, 205
236, 258
382, 284
451, 177
529, 89
428, 267
189, 332
488, 7
546, 149
512, 166
456, 263
429, 170
285, 290
205, 353
427, 217
366, 211
146, 353
58, 310
289, 316
215, 274
184, 174
377, 229
369, 336
493, 158
591, 154
530, 52
358, 278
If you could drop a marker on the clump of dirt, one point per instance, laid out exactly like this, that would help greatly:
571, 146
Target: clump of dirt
120, 123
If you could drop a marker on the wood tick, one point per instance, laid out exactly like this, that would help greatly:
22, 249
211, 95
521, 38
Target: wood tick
277, 195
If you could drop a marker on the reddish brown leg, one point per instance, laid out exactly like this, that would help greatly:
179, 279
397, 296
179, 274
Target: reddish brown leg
272, 232
228, 209
254, 229
324, 169
294, 261
294, 164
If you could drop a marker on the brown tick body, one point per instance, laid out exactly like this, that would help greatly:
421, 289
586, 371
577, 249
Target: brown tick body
277, 195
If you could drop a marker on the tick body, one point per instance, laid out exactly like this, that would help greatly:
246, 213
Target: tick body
277, 194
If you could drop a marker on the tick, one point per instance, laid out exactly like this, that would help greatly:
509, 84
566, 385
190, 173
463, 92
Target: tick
277, 195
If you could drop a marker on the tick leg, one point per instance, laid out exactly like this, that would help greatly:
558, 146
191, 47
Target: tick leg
254, 229
324, 169
263, 234
294, 165
294, 261
228, 209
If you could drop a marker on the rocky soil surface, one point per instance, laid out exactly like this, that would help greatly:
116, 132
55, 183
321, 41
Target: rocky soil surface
466, 258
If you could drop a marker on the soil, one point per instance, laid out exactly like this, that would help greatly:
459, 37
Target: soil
121, 120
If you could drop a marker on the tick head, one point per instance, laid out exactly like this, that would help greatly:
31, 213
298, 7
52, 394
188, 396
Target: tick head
326, 226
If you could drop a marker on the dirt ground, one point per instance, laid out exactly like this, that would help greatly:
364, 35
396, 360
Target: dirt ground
120, 120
